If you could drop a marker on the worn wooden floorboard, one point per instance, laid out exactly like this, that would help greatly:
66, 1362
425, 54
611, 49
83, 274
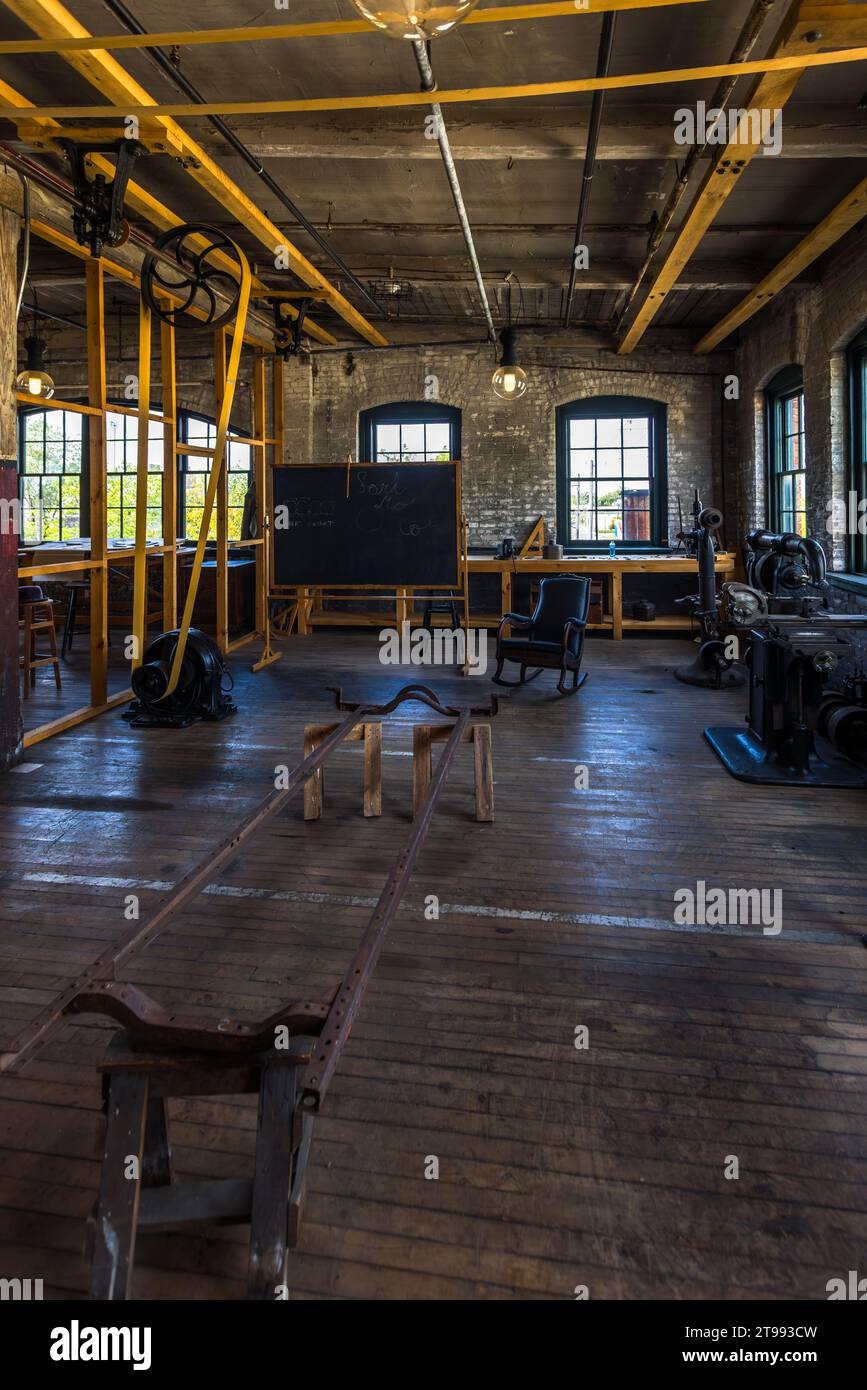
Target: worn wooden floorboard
558, 1167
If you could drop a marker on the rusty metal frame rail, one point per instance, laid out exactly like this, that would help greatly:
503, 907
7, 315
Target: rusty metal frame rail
96, 990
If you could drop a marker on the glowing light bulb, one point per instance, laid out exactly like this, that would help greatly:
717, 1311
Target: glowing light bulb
34, 380
414, 19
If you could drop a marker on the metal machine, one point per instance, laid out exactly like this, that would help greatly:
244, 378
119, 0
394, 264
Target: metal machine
713, 666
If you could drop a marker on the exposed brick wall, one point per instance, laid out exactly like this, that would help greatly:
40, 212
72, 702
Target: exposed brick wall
509, 456
810, 325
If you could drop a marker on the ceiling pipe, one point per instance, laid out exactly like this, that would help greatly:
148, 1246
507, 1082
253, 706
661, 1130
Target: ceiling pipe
164, 62
428, 84
603, 63
743, 48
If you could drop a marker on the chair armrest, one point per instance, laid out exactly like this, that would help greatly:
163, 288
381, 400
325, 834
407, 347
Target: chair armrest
570, 625
519, 619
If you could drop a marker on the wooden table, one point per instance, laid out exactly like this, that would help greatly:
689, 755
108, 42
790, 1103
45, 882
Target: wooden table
613, 570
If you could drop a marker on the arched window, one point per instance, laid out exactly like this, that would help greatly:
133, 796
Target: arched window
409, 432
787, 458
857, 543
611, 473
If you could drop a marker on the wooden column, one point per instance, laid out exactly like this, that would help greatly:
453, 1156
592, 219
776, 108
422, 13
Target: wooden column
222, 509
96, 395
260, 431
617, 604
10, 692
170, 476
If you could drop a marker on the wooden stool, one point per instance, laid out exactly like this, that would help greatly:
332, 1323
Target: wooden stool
137, 1081
38, 617
441, 605
75, 589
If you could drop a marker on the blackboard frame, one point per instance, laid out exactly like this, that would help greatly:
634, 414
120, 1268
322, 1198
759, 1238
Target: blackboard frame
457, 586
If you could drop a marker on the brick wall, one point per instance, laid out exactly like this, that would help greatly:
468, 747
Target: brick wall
509, 461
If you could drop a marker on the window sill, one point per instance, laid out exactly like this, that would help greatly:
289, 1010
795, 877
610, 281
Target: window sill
855, 583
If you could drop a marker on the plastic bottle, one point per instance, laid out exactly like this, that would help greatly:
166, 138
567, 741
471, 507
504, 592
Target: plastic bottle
612, 550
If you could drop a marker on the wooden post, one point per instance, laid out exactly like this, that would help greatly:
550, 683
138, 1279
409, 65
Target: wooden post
505, 592
222, 576
484, 772
422, 768
272, 1180
260, 433
10, 698
314, 791
96, 395
617, 604
170, 474
373, 769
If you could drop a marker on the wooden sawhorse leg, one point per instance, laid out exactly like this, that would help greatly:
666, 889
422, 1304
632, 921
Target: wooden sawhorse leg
119, 1187
314, 787
424, 735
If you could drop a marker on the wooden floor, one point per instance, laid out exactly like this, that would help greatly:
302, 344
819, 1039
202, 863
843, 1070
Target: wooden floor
557, 1167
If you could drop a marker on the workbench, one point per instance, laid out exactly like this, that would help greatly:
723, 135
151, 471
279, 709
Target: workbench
612, 571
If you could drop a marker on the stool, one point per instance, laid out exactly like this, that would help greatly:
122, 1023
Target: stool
137, 1082
441, 605
38, 616
74, 588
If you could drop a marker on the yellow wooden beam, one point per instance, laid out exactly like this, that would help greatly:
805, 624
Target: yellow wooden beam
792, 53
847, 214
137, 198
268, 33
50, 19
388, 100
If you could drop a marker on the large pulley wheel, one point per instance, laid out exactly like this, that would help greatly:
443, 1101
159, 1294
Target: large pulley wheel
197, 277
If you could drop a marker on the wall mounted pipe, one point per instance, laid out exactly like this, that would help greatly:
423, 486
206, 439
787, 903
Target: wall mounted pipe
428, 84
167, 67
603, 63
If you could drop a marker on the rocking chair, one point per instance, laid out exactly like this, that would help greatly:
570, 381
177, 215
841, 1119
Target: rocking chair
553, 638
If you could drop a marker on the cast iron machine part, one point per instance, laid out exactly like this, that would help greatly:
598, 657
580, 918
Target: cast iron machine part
790, 662
712, 668
786, 566
98, 218
201, 692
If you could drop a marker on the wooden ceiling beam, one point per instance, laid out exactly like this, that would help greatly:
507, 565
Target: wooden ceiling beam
145, 204
803, 26
50, 19
781, 75
269, 33
846, 215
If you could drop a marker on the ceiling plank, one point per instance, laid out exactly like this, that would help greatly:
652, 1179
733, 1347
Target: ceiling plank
793, 42
846, 215
51, 19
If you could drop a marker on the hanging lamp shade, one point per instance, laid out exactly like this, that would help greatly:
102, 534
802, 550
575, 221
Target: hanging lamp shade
414, 19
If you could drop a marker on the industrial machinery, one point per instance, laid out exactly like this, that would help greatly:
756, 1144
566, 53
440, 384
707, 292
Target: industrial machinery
200, 693
795, 646
713, 666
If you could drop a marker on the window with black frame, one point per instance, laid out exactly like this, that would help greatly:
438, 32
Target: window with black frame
611, 473
410, 432
194, 471
121, 456
856, 558
51, 453
787, 458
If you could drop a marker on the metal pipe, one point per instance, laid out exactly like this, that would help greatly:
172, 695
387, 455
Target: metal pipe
428, 84
743, 48
603, 62
25, 266
164, 62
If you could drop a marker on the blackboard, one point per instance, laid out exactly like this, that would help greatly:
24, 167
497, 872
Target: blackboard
399, 527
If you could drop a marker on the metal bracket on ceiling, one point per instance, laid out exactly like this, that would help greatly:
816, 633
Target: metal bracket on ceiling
98, 219
286, 341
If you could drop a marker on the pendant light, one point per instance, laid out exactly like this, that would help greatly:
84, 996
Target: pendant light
35, 380
509, 380
414, 19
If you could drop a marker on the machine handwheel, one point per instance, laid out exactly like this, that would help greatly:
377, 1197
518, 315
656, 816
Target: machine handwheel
199, 277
